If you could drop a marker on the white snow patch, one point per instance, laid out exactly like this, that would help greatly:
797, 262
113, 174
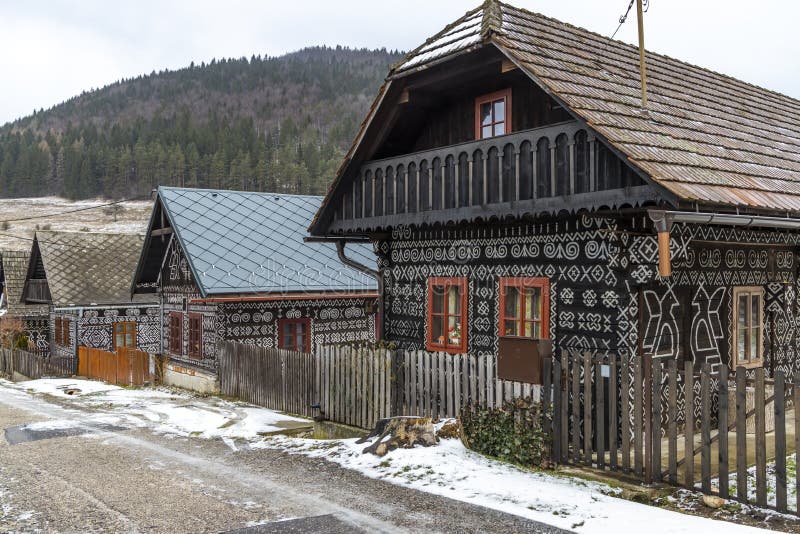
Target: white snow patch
56, 424
166, 411
58, 386
450, 470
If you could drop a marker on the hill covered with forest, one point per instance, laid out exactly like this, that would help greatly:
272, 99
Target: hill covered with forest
264, 124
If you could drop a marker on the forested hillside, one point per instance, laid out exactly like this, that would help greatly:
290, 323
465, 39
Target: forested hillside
266, 124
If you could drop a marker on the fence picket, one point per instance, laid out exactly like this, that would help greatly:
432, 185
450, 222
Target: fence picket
705, 428
672, 423
587, 408
688, 464
557, 429
780, 442
625, 410
655, 422
723, 432
796, 409
637, 417
761, 445
600, 415
613, 422
741, 435
576, 407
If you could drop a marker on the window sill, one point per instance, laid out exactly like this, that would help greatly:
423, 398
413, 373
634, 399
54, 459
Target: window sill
448, 350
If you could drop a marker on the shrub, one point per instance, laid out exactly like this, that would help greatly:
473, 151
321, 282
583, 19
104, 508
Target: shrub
512, 433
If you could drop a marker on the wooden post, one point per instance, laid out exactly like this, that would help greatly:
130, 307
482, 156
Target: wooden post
576, 408
626, 412
672, 424
723, 432
796, 403
557, 429
648, 418
741, 434
780, 442
642, 67
688, 385
587, 408
600, 419
613, 420
761, 441
705, 429
637, 417
563, 387
655, 423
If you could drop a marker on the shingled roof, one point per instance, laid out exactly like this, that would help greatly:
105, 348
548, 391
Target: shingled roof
708, 138
15, 268
88, 268
245, 242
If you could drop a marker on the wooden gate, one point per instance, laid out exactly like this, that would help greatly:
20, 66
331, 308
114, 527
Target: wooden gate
128, 366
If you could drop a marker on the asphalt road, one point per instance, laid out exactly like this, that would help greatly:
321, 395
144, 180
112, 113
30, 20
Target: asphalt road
111, 479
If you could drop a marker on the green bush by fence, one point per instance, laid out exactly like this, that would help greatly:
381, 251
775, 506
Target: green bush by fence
512, 433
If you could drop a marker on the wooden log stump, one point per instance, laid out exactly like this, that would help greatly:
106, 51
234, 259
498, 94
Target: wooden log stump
400, 432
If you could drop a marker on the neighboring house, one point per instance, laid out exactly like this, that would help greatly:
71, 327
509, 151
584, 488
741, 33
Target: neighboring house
34, 317
234, 266
513, 187
84, 278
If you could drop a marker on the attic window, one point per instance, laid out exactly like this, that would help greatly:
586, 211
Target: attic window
493, 114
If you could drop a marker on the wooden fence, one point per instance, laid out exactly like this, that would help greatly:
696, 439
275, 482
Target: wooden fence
358, 385
276, 379
661, 421
34, 365
126, 366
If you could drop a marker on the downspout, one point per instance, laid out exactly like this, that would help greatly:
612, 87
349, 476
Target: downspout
369, 272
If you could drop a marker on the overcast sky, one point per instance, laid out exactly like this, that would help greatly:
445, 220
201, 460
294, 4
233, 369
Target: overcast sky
52, 50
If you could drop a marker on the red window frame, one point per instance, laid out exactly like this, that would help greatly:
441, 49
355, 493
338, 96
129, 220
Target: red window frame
123, 328
195, 349
442, 345
543, 284
176, 333
290, 344
504, 95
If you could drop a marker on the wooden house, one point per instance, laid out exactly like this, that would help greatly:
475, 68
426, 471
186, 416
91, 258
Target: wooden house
234, 266
84, 280
514, 188
34, 317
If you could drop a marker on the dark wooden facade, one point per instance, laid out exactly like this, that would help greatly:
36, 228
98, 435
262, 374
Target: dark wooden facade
605, 291
551, 199
93, 327
254, 321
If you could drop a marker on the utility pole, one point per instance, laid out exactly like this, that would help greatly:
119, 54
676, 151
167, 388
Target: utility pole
642, 68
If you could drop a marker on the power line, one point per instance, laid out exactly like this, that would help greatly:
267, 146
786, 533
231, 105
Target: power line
624, 17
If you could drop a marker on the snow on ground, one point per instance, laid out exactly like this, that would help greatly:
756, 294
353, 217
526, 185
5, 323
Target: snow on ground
164, 410
791, 489
451, 470
59, 386
448, 469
